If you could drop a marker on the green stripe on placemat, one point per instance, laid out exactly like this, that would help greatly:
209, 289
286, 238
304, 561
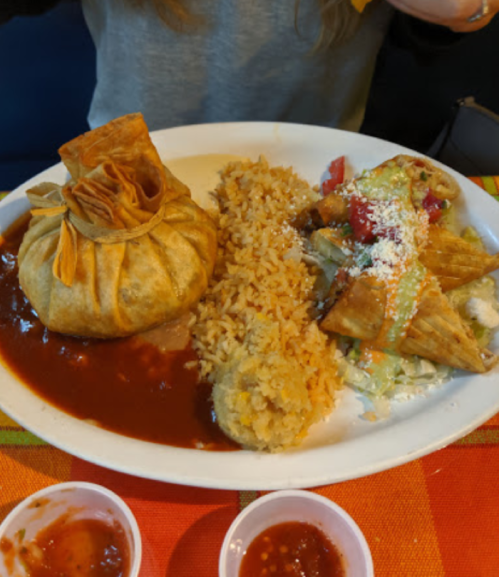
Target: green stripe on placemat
3, 195
246, 498
489, 185
9, 438
481, 437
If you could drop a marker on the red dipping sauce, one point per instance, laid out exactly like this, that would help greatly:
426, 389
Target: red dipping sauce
83, 548
292, 549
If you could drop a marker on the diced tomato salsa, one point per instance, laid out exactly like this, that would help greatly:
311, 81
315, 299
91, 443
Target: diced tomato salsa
433, 206
359, 213
337, 172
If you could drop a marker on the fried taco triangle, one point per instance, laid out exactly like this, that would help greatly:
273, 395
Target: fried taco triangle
435, 331
454, 260
438, 333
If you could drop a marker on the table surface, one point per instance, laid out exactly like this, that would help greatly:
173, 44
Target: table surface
436, 516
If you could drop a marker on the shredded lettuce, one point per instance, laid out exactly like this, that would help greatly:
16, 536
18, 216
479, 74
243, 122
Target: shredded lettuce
396, 377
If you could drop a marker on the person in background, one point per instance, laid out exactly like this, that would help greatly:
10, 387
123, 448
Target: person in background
310, 61
422, 72
458, 15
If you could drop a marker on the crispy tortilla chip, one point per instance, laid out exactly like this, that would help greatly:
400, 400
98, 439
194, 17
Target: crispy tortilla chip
333, 209
328, 210
453, 260
438, 333
359, 311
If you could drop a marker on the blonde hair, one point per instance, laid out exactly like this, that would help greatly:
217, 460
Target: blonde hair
339, 19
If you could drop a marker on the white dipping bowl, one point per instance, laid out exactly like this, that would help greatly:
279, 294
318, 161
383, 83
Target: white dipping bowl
89, 502
304, 506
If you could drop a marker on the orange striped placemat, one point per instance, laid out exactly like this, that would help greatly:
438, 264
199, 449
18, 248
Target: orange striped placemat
436, 516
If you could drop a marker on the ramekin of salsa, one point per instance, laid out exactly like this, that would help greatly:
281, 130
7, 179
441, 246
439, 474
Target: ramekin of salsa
70, 529
291, 534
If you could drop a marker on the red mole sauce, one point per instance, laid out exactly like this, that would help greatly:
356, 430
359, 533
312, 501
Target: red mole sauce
84, 547
125, 385
292, 549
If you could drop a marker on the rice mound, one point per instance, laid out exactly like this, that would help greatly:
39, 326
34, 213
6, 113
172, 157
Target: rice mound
273, 370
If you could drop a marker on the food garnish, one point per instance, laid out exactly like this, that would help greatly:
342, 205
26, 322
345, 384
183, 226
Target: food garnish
336, 176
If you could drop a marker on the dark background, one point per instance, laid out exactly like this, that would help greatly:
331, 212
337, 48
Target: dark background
47, 73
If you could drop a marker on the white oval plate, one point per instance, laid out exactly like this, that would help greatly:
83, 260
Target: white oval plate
345, 446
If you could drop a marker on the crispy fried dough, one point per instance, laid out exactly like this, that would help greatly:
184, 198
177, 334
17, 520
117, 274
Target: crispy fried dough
453, 260
438, 333
333, 209
359, 311
126, 248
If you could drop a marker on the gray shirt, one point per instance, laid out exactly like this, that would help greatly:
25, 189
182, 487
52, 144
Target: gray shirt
246, 62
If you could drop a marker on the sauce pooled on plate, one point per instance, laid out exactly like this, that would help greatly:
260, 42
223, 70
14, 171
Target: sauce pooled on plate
125, 385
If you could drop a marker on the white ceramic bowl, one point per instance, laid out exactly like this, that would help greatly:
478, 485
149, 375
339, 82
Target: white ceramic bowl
89, 501
285, 506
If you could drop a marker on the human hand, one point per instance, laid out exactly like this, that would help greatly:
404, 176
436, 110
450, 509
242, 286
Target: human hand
451, 13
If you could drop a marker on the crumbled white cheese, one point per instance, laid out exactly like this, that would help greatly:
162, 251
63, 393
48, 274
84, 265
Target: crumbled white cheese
483, 312
396, 229
354, 271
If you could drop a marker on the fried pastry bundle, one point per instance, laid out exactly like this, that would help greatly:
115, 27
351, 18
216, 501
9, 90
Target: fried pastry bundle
121, 247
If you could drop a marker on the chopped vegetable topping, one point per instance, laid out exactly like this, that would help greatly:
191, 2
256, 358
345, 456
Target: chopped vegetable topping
346, 230
360, 216
337, 172
433, 206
